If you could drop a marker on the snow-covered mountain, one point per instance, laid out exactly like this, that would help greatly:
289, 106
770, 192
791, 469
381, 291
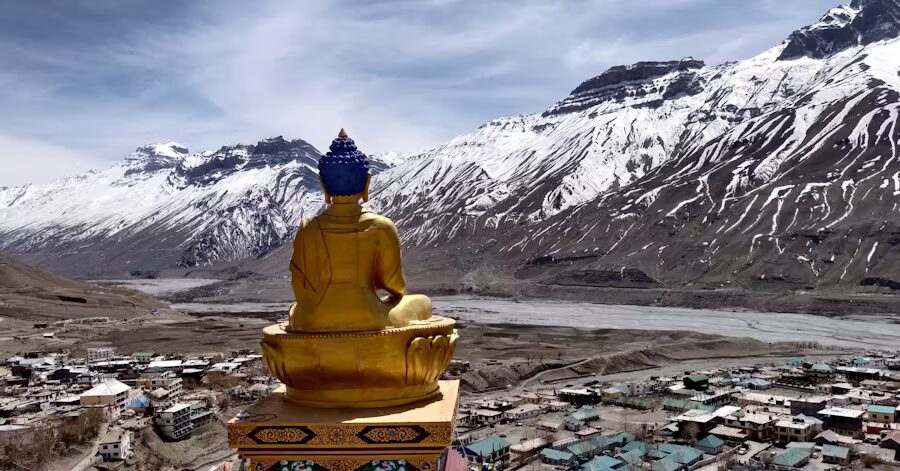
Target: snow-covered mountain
782, 166
163, 207
778, 171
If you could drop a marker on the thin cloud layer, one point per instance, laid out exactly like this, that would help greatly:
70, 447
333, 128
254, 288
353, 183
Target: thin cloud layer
92, 81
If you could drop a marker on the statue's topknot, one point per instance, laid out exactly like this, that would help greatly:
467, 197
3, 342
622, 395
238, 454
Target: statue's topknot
344, 168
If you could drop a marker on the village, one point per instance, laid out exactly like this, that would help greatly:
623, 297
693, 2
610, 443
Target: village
840, 413
108, 397
796, 414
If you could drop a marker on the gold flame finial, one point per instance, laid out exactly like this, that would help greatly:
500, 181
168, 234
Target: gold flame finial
343, 133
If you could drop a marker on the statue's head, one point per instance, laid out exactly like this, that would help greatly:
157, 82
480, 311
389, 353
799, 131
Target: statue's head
344, 170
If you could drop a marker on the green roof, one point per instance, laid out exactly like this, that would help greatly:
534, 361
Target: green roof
835, 451
632, 457
680, 453
556, 455
665, 464
142, 354
697, 378
791, 457
822, 367
685, 405
636, 445
602, 463
585, 413
686, 456
711, 441
488, 445
882, 409
795, 361
860, 361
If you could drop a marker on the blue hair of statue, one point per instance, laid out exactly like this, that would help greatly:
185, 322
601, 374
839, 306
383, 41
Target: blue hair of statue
344, 168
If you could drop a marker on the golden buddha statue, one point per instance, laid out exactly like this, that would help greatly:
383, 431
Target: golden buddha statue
343, 256
343, 345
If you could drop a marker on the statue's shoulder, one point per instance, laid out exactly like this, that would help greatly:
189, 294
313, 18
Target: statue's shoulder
377, 221
310, 223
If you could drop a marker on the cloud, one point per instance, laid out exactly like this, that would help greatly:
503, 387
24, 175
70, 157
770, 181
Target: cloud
103, 78
39, 162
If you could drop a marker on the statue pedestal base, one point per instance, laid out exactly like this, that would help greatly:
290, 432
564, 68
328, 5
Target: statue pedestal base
277, 430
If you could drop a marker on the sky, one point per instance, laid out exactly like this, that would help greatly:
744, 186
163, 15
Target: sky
82, 84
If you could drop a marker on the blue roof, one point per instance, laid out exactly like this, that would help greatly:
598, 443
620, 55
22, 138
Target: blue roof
656, 454
882, 409
139, 403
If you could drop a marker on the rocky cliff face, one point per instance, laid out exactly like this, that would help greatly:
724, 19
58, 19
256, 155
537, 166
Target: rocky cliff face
859, 23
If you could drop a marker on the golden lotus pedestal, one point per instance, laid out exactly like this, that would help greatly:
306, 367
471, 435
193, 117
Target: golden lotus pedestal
278, 433
351, 398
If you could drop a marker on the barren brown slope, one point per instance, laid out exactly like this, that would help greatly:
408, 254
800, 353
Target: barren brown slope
29, 293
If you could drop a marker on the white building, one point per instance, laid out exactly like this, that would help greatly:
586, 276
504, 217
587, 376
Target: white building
108, 393
167, 381
100, 353
800, 428
175, 422
640, 388
486, 416
524, 412
116, 445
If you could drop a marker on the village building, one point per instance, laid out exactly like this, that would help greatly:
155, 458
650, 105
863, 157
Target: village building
843, 421
174, 422
523, 412
491, 450
799, 428
95, 354
142, 357
711, 445
835, 455
809, 405
556, 457
578, 397
757, 426
115, 445
110, 392
792, 458
881, 414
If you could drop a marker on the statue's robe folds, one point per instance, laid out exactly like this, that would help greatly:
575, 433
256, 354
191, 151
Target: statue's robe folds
341, 258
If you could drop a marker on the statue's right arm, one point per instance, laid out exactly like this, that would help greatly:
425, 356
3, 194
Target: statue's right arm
389, 265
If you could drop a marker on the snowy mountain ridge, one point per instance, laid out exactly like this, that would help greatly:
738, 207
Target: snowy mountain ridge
162, 202
779, 171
